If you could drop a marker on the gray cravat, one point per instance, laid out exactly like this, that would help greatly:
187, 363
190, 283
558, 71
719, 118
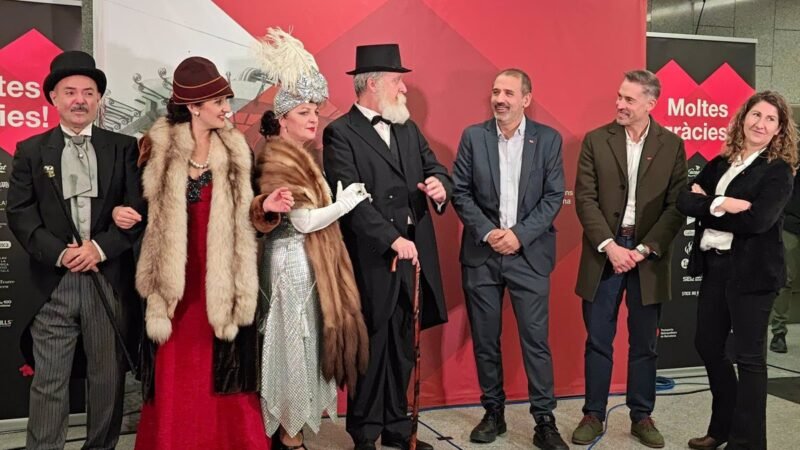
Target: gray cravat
79, 180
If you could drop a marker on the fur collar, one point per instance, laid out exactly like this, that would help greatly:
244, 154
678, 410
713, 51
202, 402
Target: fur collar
231, 286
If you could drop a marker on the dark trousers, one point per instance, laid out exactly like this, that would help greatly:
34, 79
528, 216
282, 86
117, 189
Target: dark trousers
484, 287
600, 318
74, 310
739, 407
379, 405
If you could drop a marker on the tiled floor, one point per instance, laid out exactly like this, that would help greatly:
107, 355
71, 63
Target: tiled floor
678, 417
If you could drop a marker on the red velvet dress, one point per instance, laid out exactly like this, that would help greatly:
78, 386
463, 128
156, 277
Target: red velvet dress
186, 413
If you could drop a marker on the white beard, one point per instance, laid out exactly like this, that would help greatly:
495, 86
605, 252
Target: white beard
395, 112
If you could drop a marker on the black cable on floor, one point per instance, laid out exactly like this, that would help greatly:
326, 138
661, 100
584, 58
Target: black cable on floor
441, 437
783, 368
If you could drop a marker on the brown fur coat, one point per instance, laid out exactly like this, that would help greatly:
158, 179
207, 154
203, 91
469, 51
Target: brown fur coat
231, 278
345, 343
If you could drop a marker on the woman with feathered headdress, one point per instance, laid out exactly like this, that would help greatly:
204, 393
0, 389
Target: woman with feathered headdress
315, 338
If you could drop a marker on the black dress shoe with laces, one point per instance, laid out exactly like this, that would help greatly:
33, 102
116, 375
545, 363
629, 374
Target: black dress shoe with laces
403, 443
546, 435
492, 425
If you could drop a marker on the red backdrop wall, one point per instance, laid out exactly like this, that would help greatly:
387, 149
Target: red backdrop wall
575, 53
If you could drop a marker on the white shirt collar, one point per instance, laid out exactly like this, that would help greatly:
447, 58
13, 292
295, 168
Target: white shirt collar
644, 135
749, 159
520, 131
84, 132
368, 113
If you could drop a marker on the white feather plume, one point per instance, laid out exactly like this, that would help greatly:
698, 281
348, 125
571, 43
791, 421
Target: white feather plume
283, 58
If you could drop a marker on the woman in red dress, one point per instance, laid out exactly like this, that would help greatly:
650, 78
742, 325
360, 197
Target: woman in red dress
197, 272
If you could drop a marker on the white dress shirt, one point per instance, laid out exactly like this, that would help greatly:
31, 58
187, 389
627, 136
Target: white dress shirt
510, 152
722, 240
383, 128
634, 156
510, 162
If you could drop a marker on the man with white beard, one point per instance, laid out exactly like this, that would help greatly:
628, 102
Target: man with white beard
376, 144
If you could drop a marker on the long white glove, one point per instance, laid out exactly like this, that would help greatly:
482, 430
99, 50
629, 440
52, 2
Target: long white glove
307, 220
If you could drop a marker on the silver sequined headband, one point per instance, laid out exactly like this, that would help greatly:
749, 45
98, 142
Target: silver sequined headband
310, 88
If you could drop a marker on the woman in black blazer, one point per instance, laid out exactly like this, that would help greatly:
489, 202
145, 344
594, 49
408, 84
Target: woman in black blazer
738, 201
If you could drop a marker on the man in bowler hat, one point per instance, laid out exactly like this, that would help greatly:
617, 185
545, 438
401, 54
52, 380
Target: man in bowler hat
375, 143
95, 170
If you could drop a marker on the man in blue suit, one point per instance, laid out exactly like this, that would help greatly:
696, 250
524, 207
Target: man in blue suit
508, 188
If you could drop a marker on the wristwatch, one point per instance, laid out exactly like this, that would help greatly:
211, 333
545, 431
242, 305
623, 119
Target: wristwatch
643, 250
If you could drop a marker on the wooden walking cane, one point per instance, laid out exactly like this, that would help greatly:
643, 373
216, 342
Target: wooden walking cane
49, 171
412, 441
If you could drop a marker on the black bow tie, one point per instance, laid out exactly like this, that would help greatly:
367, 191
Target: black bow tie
376, 119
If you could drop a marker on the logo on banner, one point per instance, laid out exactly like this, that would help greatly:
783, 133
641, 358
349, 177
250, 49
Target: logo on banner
5, 245
24, 111
667, 333
699, 113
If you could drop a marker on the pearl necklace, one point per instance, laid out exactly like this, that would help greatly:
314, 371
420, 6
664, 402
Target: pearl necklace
197, 165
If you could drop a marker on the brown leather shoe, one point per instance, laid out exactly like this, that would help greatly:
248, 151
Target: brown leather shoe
705, 443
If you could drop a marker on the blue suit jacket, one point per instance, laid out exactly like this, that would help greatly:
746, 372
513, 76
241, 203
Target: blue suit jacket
476, 193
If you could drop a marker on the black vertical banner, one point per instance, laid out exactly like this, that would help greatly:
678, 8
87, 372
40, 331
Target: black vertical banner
704, 80
31, 34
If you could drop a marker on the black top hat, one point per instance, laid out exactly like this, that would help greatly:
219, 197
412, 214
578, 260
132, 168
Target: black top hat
73, 63
378, 58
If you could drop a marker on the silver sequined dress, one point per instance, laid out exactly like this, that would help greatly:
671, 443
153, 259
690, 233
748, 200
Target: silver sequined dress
293, 392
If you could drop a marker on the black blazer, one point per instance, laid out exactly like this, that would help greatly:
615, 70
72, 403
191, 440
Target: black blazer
476, 194
40, 226
757, 248
355, 153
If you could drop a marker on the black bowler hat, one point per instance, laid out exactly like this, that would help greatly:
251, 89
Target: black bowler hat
73, 63
378, 58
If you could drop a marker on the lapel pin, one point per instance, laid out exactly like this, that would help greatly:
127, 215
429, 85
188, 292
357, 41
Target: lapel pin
530, 141
649, 158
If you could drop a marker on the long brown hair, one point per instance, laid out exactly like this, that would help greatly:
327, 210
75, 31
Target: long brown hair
783, 145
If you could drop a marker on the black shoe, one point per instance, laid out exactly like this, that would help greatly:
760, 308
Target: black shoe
778, 344
492, 425
366, 445
546, 435
403, 444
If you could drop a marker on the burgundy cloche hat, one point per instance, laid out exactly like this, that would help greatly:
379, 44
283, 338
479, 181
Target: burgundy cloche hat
196, 80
